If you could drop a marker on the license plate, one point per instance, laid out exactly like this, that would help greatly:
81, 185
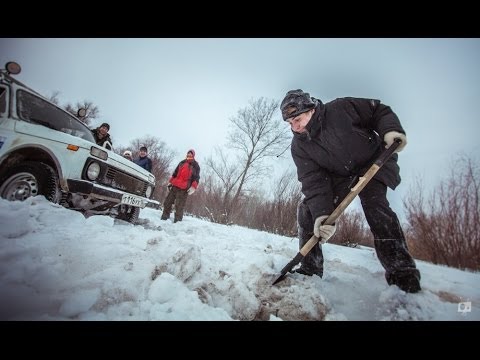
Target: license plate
128, 199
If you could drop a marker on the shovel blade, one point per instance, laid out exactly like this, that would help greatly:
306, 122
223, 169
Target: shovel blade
280, 278
289, 267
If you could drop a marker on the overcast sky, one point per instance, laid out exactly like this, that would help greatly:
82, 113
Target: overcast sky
183, 91
55, 264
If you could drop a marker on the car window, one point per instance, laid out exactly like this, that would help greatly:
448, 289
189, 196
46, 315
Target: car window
36, 110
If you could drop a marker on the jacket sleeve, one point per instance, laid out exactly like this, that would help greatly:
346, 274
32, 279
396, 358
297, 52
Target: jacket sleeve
149, 165
175, 172
376, 116
315, 184
196, 175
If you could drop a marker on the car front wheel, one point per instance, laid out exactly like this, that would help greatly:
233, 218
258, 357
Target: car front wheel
29, 179
128, 213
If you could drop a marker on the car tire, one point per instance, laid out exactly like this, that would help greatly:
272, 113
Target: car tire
128, 213
29, 179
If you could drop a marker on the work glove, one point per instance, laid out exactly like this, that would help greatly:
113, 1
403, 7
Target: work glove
323, 232
390, 136
191, 190
169, 186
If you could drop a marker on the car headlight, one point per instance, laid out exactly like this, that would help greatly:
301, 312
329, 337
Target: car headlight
148, 192
93, 171
99, 153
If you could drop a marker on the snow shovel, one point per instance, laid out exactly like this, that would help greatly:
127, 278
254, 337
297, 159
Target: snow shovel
362, 182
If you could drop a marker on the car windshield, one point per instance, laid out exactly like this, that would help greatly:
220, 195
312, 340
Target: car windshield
35, 109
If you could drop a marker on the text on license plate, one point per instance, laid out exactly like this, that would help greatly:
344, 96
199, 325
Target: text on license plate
132, 200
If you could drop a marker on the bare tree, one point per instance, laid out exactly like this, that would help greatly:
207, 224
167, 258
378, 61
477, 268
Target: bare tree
161, 155
255, 135
353, 230
226, 177
92, 111
445, 228
286, 195
209, 198
54, 97
277, 215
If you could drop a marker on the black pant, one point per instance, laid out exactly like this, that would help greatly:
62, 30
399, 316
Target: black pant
389, 240
178, 197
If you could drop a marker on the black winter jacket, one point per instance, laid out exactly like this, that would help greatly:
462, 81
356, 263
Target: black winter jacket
101, 141
343, 139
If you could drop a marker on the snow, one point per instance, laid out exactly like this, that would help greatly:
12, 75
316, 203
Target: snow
55, 264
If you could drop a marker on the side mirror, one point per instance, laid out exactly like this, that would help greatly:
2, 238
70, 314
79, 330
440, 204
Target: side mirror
13, 68
82, 112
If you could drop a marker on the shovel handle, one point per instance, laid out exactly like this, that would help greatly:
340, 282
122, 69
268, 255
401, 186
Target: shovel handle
362, 182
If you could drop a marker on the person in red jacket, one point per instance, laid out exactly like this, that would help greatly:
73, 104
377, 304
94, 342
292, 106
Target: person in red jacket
183, 182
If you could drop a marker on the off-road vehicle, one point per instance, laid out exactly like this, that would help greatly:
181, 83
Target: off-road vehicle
45, 150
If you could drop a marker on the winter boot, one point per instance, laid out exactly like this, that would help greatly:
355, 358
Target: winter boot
165, 216
408, 281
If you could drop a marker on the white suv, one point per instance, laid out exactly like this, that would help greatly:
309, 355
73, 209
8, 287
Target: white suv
45, 150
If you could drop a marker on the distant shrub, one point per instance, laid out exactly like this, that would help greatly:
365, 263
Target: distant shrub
445, 228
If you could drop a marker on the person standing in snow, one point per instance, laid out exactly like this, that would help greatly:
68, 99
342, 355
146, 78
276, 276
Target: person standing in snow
143, 160
332, 145
183, 182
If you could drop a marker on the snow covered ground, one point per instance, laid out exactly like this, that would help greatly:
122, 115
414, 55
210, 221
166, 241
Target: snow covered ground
55, 264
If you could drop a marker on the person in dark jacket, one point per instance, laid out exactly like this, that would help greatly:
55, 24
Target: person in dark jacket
183, 182
102, 137
143, 160
332, 145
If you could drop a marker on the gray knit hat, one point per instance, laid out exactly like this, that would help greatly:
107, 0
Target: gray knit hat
295, 103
